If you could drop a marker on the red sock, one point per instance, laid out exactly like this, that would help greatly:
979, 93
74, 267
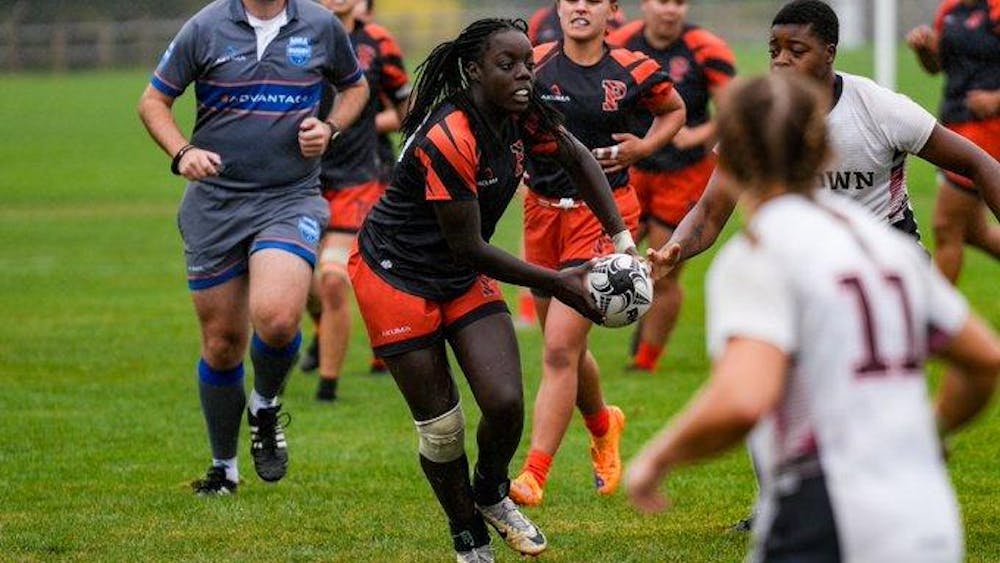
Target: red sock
647, 356
538, 464
599, 422
526, 307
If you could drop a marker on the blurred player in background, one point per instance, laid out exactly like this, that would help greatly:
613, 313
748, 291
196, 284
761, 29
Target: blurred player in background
544, 26
965, 45
424, 272
602, 92
819, 319
670, 181
353, 180
252, 213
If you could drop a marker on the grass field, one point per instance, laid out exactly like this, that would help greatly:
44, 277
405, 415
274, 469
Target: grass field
98, 399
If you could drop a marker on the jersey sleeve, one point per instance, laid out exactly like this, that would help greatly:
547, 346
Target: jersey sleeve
449, 157
714, 56
947, 310
905, 125
341, 67
394, 82
653, 83
943, 10
749, 297
179, 65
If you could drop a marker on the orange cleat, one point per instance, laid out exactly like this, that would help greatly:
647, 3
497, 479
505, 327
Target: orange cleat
525, 490
605, 455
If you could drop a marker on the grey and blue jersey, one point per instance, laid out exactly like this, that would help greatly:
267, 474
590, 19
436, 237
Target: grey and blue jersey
249, 110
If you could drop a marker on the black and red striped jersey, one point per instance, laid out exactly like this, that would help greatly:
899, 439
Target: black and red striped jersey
969, 49
612, 96
354, 157
544, 27
698, 62
445, 161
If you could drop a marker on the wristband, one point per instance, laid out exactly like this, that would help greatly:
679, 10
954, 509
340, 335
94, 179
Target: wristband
176, 162
623, 241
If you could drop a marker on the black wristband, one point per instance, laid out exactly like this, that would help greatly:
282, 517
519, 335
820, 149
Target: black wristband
175, 164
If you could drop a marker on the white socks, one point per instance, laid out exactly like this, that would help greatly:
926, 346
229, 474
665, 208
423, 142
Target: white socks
232, 471
258, 402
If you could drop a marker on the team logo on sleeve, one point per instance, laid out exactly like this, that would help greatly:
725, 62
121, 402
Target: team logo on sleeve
614, 91
299, 51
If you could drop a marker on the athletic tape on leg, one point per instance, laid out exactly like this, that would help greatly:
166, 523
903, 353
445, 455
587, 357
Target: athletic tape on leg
442, 439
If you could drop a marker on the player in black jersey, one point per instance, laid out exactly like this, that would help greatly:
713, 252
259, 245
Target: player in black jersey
423, 267
604, 94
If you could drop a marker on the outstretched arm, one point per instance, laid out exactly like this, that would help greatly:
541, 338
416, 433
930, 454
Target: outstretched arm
953, 152
699, 229
461, 225
974, 360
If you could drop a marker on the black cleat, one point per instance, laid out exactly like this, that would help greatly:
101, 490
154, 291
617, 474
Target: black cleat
214, 483
327, 390
267, 443
310, 360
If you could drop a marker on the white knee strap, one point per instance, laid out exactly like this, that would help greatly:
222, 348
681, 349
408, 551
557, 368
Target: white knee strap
442, 439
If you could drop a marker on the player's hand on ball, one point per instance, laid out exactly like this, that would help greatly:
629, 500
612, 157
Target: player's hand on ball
664, 260
197, 164
642, 483
571, 289
314, 136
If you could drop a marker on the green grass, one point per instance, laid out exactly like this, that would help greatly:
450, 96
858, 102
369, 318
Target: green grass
98, 398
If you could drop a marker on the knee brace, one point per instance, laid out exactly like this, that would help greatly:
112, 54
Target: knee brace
333, 260
442, 439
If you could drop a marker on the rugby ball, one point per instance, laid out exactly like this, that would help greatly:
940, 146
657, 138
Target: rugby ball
621, 287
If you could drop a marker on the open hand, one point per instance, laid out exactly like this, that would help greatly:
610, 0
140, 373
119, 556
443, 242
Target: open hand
983, 103
642, 484
664, 260
921, 38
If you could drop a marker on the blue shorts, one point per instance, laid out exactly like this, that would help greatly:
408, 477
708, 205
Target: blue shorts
221, 228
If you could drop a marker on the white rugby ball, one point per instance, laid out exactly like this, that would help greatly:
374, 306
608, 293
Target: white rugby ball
622, 288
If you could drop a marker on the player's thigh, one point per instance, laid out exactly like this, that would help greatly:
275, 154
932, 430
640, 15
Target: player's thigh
487, 352
334, 251
279, 285
424, 378
956, 208
565, 332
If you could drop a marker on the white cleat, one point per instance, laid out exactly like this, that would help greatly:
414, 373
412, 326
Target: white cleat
514, 527
481, 554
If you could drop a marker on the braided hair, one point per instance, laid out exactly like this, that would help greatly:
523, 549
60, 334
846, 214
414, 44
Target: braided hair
442, 77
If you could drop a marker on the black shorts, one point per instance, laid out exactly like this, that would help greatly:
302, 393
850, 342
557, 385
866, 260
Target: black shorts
803, 529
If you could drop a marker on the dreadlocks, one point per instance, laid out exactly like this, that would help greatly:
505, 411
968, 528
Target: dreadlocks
442, 76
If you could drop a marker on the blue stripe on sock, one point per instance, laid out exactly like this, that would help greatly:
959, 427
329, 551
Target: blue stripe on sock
286, 352
220, 378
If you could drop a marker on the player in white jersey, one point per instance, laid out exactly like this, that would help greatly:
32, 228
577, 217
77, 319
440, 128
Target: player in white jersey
872, 129
819, 320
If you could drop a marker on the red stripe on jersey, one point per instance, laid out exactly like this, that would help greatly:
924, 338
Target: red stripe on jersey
644, 70
656, 99
717, 78
627, 58
943, 10
393, 78
535, 22
706, 45
624, 34
544, 53
456, 143
435, 191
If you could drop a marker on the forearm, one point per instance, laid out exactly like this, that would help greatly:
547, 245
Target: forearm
592, 183
702, 225
387, 121
703, 134
987, 177
349, 104
701, 431
158, 118
503, 266
928, 60
961, 397
662, 130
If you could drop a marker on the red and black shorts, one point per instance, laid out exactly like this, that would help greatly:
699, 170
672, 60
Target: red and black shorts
667, 196
563, 233
400, 322
986, 135
349, 206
